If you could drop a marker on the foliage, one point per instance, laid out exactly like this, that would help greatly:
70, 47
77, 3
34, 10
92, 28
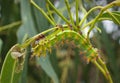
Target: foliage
58, 50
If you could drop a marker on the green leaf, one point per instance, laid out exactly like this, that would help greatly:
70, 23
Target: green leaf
114, 16
8, 69
28, 26
23, 78
40, 21
11, 69
28, 29
47, 67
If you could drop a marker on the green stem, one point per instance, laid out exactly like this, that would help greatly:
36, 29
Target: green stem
98, 16
43, 12
77, 18
102, 67
81, 22
106, 70
62, 9
99, 67
114, 3
89, 23
69, 12
68, 22
100, 19
113, 17
58, 12
93, 24
49, 12
9, 26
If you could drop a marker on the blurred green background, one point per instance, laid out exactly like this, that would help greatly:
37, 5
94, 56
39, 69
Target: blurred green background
19, 19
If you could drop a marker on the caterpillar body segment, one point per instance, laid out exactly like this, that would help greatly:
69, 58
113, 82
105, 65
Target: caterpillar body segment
41, 42
79, 40
50, 32
58, 36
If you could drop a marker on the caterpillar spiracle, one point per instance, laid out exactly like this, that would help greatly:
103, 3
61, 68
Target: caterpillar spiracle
47, 42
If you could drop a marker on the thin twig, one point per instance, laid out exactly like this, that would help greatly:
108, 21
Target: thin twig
91, 10
49, 12
43, 12
77, 18
106, 70
99, 67
9, 26
98, 16
113, 17
68, 9
68, 22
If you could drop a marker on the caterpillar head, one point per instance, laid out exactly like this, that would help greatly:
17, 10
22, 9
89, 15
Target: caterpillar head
40, 47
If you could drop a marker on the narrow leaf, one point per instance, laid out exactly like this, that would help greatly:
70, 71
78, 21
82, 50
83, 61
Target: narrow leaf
47, 67
28, 26
9, 72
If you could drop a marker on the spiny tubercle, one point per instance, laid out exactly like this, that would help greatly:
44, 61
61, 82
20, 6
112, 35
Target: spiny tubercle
90, 52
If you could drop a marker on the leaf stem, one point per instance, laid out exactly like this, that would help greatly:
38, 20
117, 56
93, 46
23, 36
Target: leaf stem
77, 18
43, 12
81, 22
89, 23
101, 12
99, 67
68, 22
106, 70
49, 12
69, 12
93, 23
116, 20
9, 26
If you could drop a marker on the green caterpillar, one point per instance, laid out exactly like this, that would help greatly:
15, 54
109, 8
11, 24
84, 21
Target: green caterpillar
47, 42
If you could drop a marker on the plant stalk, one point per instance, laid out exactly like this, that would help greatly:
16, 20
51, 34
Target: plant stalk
77, 11
85, 17
68, 22
43, 12
106, 70
69, 12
